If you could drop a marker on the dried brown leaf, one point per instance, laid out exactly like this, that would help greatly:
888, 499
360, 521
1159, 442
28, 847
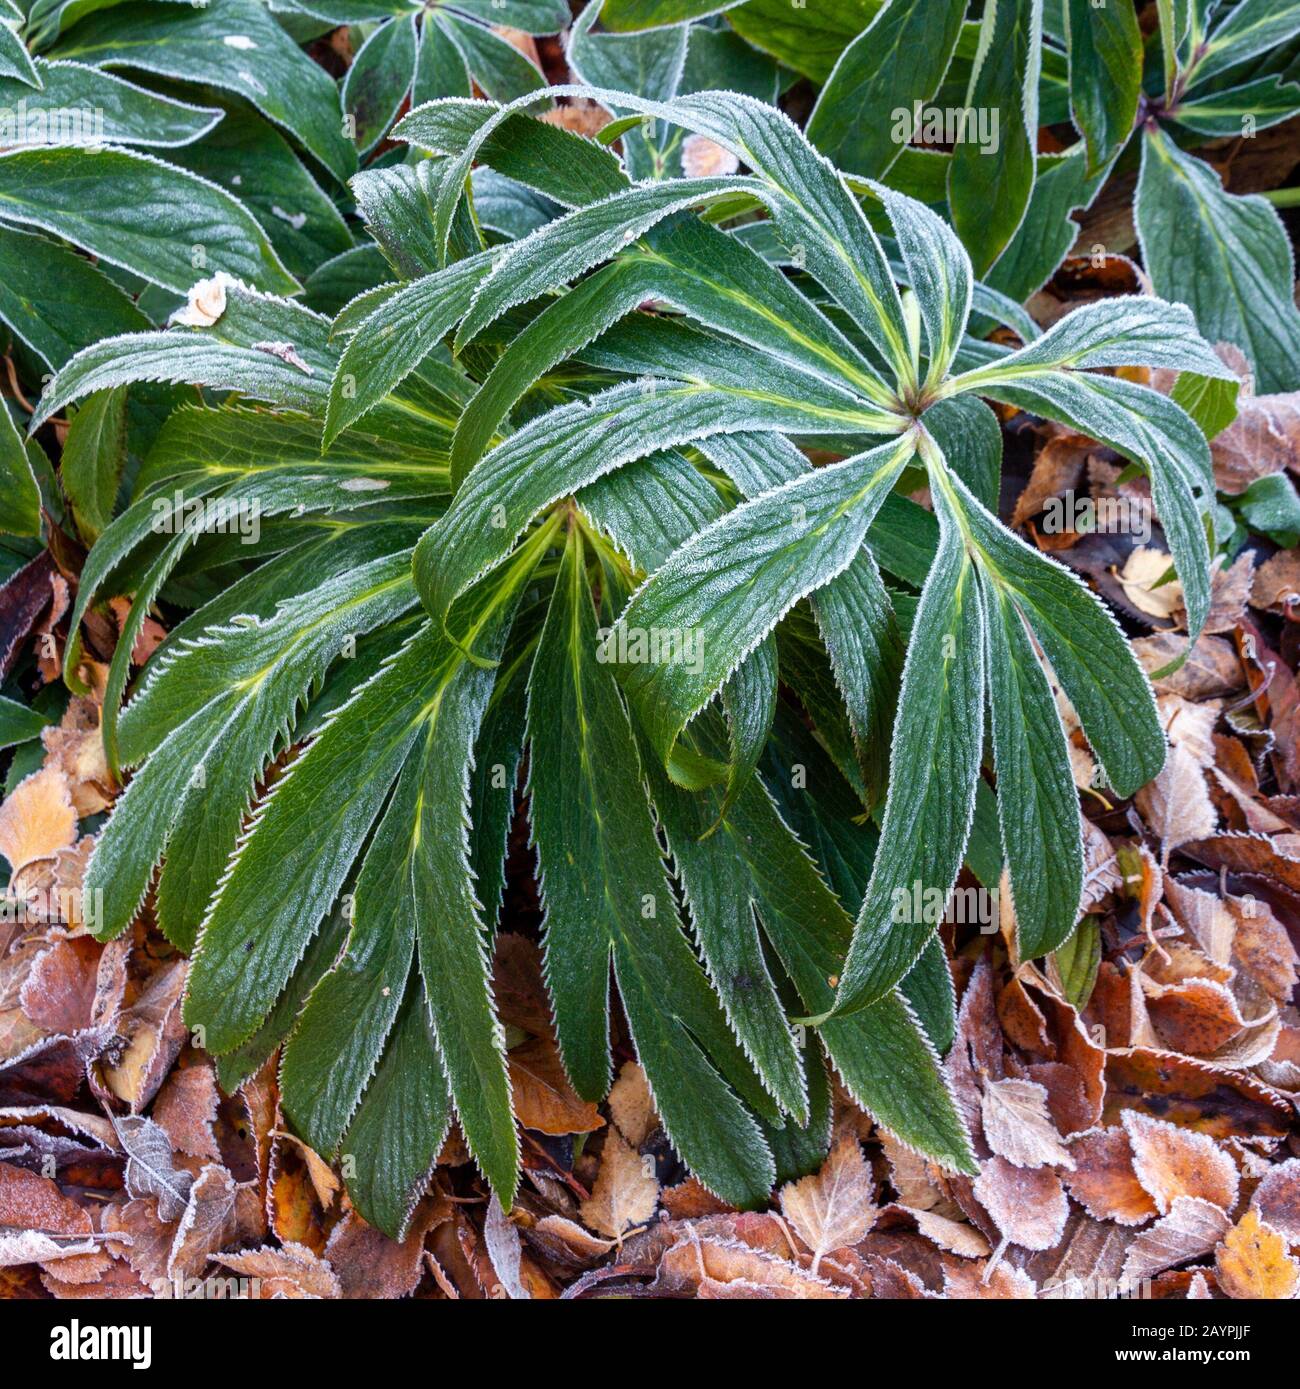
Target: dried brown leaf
836, 1206
626, 1190
1171, 1162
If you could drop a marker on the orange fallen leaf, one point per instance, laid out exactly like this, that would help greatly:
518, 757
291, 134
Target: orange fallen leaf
1171, 1162
1252, 1261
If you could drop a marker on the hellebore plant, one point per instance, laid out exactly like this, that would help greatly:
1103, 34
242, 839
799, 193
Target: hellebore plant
587, 541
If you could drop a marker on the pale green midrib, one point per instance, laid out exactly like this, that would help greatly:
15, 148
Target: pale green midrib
851, 374
887, 326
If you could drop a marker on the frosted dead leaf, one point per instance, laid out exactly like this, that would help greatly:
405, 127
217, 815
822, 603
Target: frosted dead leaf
1276, 582
975, 1281
504, 1249
1140, 579
1027, 1204
205, 302
207, 1222
156, 1032
632, 1106
953, 1235
37, 819
836, 1206
76, 747
1230, 587
39, 1222
186, 1108
293, 1271
1212, 669
626, 1190
1171, 1162
724, 1268
1177, 805
581, 1243
1190, 725
1018, 1126
150, 1170
1104, 1182
1277, 1199
1192, 1228
324, 1181
1252, 1262
704, 158
1101, 874
910, 1175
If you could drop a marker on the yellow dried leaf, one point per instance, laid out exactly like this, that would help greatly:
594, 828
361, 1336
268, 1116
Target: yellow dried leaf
37, 819
1252, 1261
626, 1191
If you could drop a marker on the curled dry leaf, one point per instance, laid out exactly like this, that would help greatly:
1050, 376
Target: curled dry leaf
324, 1180
504, 1250
1145, 585
205, 302
292, 1271
150, 1167
156, 1032
1171, 1162
76, 747
1103, 1180
721, 1268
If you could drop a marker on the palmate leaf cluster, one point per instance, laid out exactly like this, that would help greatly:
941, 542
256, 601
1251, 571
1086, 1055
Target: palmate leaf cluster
477, 486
